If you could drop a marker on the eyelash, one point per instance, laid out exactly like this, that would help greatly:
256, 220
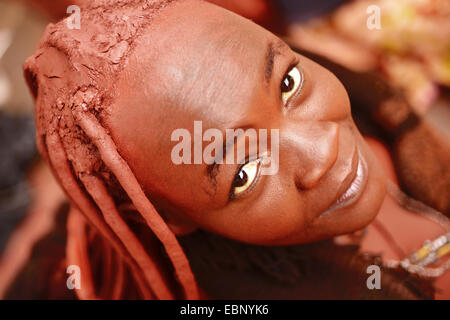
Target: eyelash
292, 65
253, 185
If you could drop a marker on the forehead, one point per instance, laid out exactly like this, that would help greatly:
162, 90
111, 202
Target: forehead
202, 59
195, 62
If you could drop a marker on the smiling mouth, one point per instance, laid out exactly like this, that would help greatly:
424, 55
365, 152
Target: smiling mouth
354, 190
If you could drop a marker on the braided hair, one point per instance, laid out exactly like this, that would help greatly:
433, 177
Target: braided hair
71, 77
113, 230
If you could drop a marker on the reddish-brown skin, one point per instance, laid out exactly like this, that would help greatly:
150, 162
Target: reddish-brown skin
211, 68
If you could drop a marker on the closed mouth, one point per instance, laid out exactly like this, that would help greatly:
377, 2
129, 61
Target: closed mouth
353, 192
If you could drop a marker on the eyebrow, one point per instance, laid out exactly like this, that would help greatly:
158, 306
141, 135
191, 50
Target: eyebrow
271, 53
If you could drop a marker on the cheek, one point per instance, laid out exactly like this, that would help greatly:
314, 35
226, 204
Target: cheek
337, 98
275, 214
327, 94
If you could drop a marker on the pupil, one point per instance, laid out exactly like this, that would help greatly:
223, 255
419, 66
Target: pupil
288, 84
241, 179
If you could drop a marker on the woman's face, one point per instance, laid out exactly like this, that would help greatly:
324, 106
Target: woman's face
198, 62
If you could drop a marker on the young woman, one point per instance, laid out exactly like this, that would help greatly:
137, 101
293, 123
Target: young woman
108, 98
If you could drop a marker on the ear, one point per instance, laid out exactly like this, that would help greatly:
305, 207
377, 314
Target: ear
180, 225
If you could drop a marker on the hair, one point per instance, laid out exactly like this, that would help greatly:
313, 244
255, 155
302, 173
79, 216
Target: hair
71, 77
318, 270
113, 230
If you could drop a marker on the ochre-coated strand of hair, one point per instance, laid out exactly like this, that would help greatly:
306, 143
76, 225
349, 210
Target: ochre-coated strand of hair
79, 149
77, 253
119, 167
60, 165
100, 195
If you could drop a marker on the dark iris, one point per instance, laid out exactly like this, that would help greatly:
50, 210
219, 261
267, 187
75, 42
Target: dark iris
288, 84
240, 179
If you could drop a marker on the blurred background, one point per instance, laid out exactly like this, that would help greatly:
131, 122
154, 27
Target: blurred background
411, 52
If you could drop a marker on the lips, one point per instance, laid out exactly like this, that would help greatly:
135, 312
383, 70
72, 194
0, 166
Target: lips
353, 189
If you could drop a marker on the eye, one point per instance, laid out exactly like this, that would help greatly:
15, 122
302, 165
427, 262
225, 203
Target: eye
245, 178
291, 82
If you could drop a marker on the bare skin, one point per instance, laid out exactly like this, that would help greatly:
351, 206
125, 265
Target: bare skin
229, 73
210, 75
213, 68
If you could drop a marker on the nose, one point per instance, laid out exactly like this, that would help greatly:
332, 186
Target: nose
315, 147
